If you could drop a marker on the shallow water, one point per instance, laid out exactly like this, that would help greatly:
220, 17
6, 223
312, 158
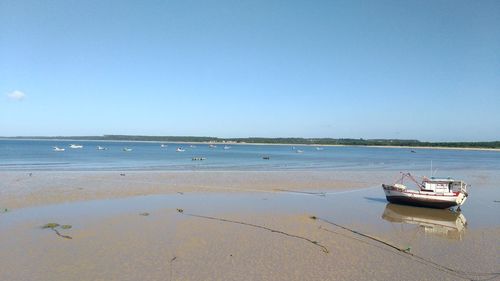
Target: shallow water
38, 155
365, 208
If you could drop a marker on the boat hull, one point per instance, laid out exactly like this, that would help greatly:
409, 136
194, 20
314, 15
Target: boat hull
423, 199
403, 200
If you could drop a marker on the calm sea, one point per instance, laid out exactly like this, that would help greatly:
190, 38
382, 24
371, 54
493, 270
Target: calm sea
39, 155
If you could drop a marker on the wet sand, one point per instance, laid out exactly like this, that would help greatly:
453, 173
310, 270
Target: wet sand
145, 242
19, 189
236, 226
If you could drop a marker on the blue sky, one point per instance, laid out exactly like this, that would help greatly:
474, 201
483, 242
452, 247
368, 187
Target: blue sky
427, 70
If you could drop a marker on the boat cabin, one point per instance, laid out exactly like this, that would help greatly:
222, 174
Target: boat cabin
442, 185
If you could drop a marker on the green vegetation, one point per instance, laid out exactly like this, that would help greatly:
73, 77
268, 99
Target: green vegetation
296, 141
51, 225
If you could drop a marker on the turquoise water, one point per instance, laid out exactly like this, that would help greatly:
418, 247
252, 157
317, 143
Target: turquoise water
39, 155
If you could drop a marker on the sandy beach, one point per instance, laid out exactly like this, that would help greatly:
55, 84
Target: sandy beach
222, 226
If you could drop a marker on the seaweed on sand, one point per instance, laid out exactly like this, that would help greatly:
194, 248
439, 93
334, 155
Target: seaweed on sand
54, 226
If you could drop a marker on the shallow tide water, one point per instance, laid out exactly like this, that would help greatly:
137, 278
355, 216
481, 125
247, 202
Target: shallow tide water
36, 155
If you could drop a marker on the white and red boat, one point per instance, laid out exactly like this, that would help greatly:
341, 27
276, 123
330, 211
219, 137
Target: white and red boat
430, 192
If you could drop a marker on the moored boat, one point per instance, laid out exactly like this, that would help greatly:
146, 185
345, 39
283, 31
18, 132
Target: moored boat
180, 149
430, 192
76, 146
126, 149
58, 149
100, 148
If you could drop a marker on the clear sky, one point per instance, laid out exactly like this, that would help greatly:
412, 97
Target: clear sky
427, 70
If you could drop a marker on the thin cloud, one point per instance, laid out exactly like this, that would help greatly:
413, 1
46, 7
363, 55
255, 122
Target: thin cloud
16, 95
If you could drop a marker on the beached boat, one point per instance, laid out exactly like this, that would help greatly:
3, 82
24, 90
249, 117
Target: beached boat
76, 146
430, 192
126, 149
58, 149
180, 149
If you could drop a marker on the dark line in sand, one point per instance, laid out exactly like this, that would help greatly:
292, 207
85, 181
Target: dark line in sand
172, 266
302, 192
422, 260
315, 243
60, 235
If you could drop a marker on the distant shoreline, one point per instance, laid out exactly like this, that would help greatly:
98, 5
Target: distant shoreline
258, 143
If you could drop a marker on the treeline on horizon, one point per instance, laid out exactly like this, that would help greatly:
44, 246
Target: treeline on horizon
298, 141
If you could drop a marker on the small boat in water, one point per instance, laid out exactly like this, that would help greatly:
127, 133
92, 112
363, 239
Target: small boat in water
180, 149
299, 151
198, 158
212, 146
319, 148
76, 146
430, 192
126, 149
163, 145
100, 148
226, 147
58, 149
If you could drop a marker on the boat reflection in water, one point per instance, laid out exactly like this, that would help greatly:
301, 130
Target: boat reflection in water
444, 223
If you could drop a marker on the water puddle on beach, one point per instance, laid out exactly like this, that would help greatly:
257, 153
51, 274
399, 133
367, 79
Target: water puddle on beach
111, 228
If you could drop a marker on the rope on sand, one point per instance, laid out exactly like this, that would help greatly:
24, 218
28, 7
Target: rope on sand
458, 273
315, 243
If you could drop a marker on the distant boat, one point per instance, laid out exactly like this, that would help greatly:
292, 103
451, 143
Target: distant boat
180, 149
198, 158
192, 146
58, 149
299, 151
163, 145
413, 151
319, 148
76, 146
126, 149
266, 157
226, 147
432, 193
212, 146
100, 148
